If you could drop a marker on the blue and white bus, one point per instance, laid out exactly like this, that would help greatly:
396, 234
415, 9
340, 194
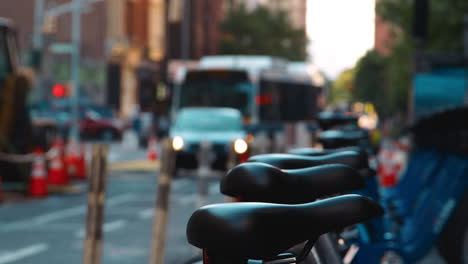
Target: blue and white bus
263, 88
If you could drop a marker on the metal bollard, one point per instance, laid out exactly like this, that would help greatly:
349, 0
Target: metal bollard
205, 157
96, 201
162, 203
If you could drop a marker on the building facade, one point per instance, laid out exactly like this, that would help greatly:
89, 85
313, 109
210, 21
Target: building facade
194, 28
56, 31
119, 40
383, 35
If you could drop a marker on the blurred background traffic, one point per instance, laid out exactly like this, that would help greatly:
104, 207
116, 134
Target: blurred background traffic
247, 76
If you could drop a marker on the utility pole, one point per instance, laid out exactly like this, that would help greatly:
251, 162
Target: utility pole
75, 68
38, 43
185, 32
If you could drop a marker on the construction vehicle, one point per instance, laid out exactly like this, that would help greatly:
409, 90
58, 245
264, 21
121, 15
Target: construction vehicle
15, 123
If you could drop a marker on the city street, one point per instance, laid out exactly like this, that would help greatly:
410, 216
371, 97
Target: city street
52, 230
346, 118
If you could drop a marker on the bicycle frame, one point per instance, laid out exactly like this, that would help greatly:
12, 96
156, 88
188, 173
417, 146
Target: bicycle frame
215, 259
423, 201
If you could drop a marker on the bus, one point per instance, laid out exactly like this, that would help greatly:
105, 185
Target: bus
262, 88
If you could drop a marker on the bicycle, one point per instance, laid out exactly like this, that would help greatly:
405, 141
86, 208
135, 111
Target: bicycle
260, 182
241, 233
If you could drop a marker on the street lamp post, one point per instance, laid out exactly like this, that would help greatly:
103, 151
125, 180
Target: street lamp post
38, 42
75, 68
185, 32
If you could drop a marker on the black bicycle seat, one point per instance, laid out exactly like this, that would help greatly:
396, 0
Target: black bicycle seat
260, 182
311, 152
328, 120
338, 138
263, 230
289, 161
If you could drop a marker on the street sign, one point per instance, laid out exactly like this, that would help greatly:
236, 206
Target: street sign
61, 48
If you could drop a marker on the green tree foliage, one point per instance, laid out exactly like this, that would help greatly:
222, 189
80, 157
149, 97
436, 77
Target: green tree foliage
445, 22
342, 87
369, 77
261, 32
386, 81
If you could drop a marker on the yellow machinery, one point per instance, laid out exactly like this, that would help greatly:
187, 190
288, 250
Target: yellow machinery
15, 124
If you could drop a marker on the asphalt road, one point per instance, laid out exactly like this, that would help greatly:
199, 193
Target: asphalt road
51, 230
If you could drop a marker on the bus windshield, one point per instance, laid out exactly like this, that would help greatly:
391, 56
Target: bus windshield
218, 89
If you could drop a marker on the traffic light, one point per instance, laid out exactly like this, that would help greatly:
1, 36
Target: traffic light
59, 90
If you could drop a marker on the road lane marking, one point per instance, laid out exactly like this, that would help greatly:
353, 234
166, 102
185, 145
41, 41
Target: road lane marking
23, 253
49, 217
61, 214
115, 225
147, 213
107, 227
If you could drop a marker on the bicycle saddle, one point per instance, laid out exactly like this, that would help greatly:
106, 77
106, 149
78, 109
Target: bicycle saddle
289, 161
263, 230
338, 138
312, 152
260, 182
328, 120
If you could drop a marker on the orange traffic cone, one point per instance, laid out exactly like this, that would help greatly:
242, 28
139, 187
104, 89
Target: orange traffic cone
387, 170
57, 170
152, 151
37, 183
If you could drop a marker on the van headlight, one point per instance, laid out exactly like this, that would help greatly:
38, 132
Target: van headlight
240, 146
177, 143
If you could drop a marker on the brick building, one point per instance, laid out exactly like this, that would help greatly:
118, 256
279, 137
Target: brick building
194, 28
57, 29
383, 35
119, 39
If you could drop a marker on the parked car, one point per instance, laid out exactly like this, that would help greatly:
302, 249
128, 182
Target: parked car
219, 126
96, 122
99, 123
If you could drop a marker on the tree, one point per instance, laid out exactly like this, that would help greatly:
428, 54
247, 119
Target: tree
262, 32
370, 81
445, 32
445, 29
342, 87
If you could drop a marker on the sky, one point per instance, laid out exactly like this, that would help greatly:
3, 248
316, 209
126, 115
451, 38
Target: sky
340, 32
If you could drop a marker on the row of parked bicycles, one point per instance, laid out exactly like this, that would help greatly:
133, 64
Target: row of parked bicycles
326, 206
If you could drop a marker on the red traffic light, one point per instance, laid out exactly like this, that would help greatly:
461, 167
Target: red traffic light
59, 90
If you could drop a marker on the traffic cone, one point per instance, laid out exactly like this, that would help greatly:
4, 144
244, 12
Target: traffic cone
57, 171
37, 183
80, 172
152, 151
387, 170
